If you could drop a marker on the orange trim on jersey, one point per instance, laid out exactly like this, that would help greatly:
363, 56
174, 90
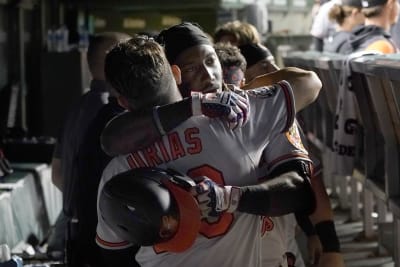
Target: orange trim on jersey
111, 244
289, 105
286, 157
382, 46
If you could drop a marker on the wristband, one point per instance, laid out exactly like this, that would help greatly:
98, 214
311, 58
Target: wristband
157, 121
234, 198
196, 104
327, 235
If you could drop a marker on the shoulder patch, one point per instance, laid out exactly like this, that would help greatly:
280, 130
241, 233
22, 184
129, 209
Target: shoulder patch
265, 91
293, 136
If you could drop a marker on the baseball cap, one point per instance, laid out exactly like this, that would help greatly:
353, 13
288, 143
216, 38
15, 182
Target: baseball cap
254, 53
133, 203
353, 3
372, 3
180, 37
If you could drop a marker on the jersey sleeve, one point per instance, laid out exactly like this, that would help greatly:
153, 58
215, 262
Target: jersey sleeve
105, 237
272, 111
283, 148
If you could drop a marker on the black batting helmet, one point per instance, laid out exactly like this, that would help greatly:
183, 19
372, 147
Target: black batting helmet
133, 203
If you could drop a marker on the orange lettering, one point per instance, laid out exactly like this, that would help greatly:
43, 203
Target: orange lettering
194, 141
138, 159
176, 147
131, 162
164, 152
150, 154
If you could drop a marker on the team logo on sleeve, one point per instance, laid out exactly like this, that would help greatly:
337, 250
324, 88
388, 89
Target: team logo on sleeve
294, 138
265, 91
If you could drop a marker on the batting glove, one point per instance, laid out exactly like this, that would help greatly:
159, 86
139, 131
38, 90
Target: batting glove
227, 105
214, 199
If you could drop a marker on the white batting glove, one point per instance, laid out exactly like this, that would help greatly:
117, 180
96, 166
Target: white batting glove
214, 199
229, 106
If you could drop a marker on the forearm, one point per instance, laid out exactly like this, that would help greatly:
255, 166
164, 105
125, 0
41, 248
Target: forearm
322, 218
304, 222
131, 131
284, 194
323, 210
305, 84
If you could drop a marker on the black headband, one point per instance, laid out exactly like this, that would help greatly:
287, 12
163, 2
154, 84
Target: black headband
178, 38
254, 53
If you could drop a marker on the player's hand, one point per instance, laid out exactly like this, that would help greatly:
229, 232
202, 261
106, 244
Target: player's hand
215, 199
331, 259
314, 248
229, 106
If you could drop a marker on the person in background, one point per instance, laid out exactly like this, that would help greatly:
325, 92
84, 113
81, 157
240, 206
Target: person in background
274, 240
347, 16
237, 33
64, 161
395, 31
374, 35
232, 62
258, 60
322, 28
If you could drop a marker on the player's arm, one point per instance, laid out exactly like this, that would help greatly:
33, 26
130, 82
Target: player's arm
132, 131
323, 221
287, 192
305, 84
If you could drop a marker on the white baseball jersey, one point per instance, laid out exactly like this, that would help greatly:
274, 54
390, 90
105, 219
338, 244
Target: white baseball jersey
275, 237
206, 147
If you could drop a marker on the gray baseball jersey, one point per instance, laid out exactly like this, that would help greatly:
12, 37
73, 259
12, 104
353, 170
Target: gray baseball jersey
206, 147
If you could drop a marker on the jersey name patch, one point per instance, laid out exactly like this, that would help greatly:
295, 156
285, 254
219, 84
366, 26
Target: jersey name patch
264, 92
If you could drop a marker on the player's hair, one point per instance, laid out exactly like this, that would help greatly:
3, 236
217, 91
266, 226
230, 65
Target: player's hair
139, 70
99, 45
338, 13
230, 55
243, 32
371, 12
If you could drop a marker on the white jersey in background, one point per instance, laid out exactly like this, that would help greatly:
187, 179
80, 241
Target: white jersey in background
203, 146
322, 27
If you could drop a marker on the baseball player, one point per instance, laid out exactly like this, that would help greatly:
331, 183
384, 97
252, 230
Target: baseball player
278, 234
203, 147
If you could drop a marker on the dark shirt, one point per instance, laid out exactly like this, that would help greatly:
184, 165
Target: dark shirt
363, 36
339, 39
91, 162
74, 129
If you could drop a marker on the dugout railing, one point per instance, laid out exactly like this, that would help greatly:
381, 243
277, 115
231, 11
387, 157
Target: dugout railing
376, 83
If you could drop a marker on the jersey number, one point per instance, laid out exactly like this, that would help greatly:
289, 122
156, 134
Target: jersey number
219, 227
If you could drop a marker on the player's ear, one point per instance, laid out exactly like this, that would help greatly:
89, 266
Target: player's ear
176, 71
242, 82
123, 102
